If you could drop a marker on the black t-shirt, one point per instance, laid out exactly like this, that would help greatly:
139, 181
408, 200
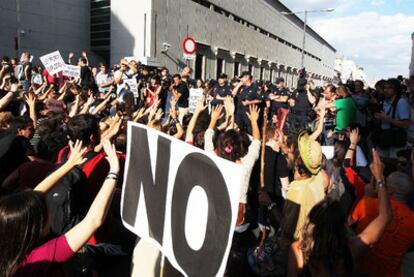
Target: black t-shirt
302, 105
86, 77
276, 167
280, 92
183, 90
27, 66
221, 91
248, 93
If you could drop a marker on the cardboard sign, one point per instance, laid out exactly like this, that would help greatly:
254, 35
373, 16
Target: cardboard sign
133, 86
195, 93
71, 71
181, 199
53, 62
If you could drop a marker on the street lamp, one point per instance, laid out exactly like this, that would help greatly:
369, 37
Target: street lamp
305, 21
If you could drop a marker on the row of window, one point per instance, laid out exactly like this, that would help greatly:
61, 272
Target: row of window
100, 28
244, 22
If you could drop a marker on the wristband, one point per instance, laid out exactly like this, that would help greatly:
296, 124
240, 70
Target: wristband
352, 149
113, 173
176, 121
380, 183
112, 177
271, 206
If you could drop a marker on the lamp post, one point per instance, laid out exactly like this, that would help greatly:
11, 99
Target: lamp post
305, 22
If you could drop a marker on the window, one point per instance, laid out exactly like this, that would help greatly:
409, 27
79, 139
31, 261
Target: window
198, 68
236, 68
219, 68
271, 75
261, 73
251, 69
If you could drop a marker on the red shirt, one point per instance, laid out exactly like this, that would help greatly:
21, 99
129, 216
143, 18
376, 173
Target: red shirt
47, 259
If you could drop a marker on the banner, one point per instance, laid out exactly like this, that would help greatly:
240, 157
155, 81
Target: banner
53, 62
195, 93
133, 86
71, 71
181, 199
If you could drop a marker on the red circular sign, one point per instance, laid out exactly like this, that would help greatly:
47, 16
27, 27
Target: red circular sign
189, 46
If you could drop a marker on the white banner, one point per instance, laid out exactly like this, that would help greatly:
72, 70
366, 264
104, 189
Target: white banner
53, 62
181, 199
71, 71
195, 93
133, 86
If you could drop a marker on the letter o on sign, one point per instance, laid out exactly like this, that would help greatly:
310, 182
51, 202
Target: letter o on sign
189, 46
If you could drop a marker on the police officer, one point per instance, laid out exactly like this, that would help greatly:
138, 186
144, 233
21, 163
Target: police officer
247, 94
220, 91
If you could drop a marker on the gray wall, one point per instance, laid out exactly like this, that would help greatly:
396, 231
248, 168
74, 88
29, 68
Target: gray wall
49, 25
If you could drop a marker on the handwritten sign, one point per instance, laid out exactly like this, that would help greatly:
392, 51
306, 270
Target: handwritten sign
195, 93
71, 71
53, 62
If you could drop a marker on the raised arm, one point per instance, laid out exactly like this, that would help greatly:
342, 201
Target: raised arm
31, 102
180, 130
189, 137
373, 232
80, 234
354, 138
76, 158
216, 115
319, 129
253, 115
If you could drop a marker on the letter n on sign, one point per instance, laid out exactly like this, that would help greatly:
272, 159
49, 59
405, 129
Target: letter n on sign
181, 199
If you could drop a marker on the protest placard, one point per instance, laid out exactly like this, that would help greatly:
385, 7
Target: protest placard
181, 199
133, 86
53, 62
71, 71
195, 93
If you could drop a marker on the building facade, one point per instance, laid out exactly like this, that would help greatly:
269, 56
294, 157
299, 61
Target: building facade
232, 35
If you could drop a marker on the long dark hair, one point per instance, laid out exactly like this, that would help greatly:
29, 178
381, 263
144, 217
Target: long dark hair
325, 238
230, 145
23, 217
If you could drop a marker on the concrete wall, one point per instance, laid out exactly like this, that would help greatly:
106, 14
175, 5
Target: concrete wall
48, 25
130, 28
173, 20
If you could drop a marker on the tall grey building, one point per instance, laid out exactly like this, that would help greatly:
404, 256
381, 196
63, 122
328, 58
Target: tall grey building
231, 35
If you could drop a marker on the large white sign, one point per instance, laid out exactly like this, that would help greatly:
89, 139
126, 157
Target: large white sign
53, 62
181, 199
195, 93
71, 71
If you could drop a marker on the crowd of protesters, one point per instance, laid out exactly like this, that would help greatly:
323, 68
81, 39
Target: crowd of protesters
336, 196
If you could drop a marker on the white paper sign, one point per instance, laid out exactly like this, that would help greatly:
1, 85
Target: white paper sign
53, 62
361, 160
133, 86
71, 71
328, 151
181, 199
195, 93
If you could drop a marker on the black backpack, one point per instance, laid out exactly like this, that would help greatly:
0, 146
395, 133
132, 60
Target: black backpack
66, 200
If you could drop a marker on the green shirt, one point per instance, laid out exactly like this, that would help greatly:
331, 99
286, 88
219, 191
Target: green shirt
345, 113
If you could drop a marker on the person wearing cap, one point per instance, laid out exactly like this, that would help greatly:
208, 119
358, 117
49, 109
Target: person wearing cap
220, 91
279, 96
305, 191
247, 93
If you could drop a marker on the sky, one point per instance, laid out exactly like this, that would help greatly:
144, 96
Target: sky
376, 34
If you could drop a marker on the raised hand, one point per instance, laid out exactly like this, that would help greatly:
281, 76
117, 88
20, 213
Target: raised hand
253, 113
158, 114
76, 153
111, 156
354, 136
30, 99
216, 114
377, 167
200, 104
229, 105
